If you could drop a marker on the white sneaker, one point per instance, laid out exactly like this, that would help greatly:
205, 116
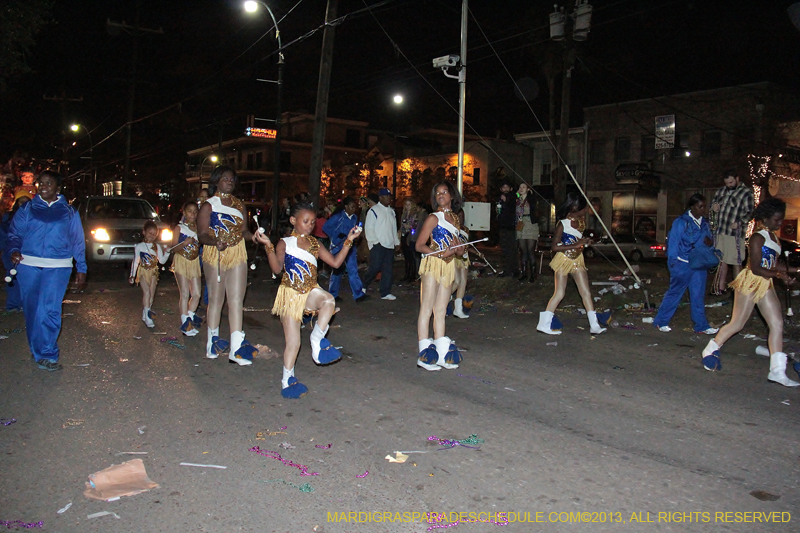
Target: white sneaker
389, 297
709, 331
667, 329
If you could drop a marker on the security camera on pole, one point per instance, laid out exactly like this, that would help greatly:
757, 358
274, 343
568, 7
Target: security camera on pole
581, 19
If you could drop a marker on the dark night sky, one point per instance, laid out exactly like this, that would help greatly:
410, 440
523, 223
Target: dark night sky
206, 60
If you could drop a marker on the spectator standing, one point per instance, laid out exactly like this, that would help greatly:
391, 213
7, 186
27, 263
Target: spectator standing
13, 295
507, 226
527, 231
732, 206
380, 230
408, 230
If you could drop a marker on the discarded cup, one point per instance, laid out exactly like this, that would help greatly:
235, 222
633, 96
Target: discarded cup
647, 320
554, 343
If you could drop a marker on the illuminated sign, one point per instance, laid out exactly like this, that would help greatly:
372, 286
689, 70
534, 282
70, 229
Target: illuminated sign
260, 132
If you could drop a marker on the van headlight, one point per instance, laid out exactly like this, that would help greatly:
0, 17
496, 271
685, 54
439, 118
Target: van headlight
166, 234
100, 235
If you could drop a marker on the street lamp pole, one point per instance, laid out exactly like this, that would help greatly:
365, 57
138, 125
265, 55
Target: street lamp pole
76, 128
213, 159
251, 6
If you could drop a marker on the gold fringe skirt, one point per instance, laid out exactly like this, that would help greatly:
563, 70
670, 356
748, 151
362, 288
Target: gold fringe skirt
442, 271
747, 282
150, 275
289, 302
461, 262
564, 265
231, 257
188, 268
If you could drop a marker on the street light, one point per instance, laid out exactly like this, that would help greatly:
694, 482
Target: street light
76, 128
398, 101
251, 6
213, 159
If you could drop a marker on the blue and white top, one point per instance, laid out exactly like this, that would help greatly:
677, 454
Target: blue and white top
300, 266
190, 251
147, 255
443, 235
226, 222
770, 251
570, 235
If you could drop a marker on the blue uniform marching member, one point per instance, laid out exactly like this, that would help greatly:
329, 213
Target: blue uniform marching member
299, 293
440, 238
754, 286
186, 266
221, 229
44, 238
689, 231
147, 256
336, 228
568, 243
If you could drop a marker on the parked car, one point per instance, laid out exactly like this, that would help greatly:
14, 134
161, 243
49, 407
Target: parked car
113, 225
635, 247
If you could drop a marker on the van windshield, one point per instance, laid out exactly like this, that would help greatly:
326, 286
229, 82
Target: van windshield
117, 208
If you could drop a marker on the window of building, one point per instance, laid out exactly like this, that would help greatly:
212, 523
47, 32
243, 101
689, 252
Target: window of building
648, 151
622, 149
476, 176
352, 138
545, 178
597, 151
712, 141
250, 160
286, 161
259, 160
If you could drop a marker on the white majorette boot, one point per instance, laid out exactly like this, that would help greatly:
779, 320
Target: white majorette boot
448, 355
777, 370
427, 355
710, 356
545, 323
146, 318
458, 309
214, 345
241, 351
322, 351
596, 329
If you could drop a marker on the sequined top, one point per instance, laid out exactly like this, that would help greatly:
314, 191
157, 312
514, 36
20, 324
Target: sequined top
300, 266
226, 222
571, 234
187, 231
443, 235
147, 256
770, 251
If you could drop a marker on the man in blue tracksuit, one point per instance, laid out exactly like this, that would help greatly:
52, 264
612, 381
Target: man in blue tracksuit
336, 228
44, 238
689, 230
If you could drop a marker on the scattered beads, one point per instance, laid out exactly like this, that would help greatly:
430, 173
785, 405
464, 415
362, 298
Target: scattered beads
20, 523
7, 421
323, 447
305, 487
276, 455
365, 474
434, 517
448, 444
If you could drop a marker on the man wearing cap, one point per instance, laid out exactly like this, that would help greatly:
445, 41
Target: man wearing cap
380, 230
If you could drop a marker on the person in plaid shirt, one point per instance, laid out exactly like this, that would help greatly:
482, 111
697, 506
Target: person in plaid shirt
733, 205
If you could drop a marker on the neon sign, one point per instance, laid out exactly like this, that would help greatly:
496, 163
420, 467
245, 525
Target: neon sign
260, 132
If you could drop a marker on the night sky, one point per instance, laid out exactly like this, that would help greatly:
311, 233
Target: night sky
199, 77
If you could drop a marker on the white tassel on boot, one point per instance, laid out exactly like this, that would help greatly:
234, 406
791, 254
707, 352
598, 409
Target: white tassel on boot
777, 370
596, 329
442, 346
545, 320
211, 334
458, 309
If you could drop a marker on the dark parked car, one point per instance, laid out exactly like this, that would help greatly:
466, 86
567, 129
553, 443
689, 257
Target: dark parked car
113, 225
635, 247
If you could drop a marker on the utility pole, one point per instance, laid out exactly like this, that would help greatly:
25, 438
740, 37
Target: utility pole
114, 28
63, 163
581, 19
321, 113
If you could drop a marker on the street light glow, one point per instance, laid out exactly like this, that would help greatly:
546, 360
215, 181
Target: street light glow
398, 99
250, 6
75, 127
213, 158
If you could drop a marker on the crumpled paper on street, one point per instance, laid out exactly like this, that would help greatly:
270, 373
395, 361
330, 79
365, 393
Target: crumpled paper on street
126, 479
266, 352
399, 458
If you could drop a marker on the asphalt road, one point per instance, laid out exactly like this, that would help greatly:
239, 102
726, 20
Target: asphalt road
616, 429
